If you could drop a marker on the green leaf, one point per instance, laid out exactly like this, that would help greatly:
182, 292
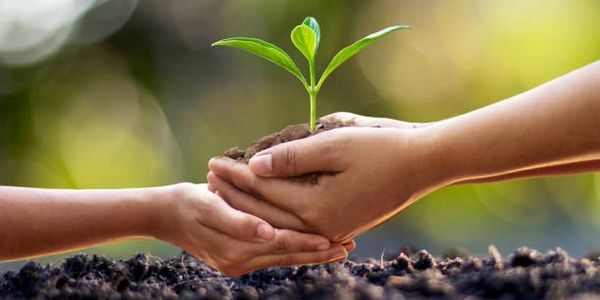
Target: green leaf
304, 38
265, 50
349, 51
314, 25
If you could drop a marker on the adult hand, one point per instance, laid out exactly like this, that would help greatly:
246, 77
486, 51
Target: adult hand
588, 163
232, 241
367, 176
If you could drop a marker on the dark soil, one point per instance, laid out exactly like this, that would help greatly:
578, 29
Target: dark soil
526, 274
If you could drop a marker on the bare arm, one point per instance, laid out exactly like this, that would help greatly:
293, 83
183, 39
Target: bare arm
576, 165
43, 221
551, 129
553, 170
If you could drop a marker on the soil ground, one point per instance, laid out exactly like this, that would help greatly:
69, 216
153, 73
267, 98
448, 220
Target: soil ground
526, 274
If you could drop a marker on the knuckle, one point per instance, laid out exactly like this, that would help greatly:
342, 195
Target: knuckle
246, 225
253, 183
281, 245
290, 159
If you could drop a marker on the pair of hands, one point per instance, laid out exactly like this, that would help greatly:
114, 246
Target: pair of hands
237, 214
368, 175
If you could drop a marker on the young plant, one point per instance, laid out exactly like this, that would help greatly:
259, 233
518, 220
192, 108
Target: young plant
306, 38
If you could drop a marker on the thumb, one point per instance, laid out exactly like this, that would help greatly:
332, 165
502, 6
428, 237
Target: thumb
309, 155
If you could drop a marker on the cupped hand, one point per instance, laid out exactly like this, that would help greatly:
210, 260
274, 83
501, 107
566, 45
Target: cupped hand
232, 241
367, 175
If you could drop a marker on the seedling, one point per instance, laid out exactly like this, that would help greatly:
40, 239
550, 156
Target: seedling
306, 38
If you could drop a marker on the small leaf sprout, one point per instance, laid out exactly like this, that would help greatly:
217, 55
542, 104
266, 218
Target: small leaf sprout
306, 37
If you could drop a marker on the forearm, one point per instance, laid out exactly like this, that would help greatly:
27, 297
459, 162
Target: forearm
37, 222
554, 124
554, 170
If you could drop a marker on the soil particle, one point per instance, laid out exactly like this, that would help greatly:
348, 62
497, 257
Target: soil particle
528, 275
524, 257
424, 260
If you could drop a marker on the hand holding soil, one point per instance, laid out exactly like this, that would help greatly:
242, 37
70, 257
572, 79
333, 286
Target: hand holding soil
350, 161
367, 175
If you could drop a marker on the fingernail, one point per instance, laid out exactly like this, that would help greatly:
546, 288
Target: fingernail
261, 164
323, 246
265, 231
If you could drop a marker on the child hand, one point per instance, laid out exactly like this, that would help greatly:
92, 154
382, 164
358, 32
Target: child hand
230, 240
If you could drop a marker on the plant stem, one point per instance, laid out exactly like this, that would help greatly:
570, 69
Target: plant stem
313, 96
313, 112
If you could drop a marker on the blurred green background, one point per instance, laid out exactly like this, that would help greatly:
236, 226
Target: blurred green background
111, 94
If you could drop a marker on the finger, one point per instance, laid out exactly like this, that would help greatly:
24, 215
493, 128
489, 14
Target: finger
350, 246
209, 186
288, 241
341, 259
250, 204
236, 173
285, 194
234, 223
284, 241
342, 116
366, 121
292, 259
318, 153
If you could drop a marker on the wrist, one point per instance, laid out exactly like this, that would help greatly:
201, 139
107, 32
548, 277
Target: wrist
160, 202
436, 167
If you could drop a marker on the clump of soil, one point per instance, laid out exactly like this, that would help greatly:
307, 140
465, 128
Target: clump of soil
526, 274
290, 133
